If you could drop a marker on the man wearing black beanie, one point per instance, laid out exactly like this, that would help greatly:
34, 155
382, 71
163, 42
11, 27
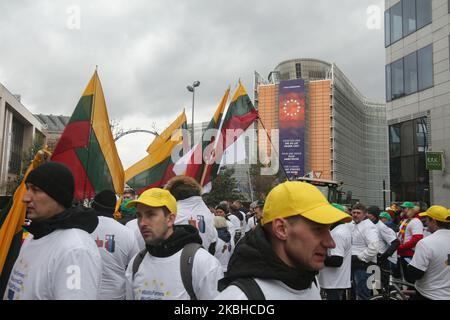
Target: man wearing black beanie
117, 245
59, 259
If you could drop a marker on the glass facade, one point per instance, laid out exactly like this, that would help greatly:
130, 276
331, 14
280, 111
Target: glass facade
410, 74
16, 147
425, 67
408, 142
404, 18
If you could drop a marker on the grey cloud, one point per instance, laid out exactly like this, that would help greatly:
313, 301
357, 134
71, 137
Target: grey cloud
148, 51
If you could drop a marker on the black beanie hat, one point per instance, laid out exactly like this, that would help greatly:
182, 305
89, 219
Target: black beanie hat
56, 180
105, 201
374, 210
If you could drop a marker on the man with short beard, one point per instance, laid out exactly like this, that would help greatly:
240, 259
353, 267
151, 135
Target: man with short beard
280, 258
158, 275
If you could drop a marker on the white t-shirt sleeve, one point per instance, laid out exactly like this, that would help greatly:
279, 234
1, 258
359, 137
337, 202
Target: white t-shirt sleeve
422, 256
232, 293
77, 276
206, 273
373, 243
387, 235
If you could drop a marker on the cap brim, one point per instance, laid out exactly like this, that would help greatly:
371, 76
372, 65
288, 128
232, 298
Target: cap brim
327, 214
146, 202
423, 214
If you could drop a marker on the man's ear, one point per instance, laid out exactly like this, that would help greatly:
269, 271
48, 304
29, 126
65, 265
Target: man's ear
279, 228
171, 219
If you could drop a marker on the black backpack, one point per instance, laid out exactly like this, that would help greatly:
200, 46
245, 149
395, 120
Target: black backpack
186, 264
249, 286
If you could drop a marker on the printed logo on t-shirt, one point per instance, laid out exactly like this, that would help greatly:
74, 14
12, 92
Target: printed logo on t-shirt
16, 280
153, 291
198, 223
109, 243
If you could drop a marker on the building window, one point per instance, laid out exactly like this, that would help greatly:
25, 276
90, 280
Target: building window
387, 28
388, 82
425, 67
298, 70
407, 147
397, 79
410, 73
404, 18
396, 22
423, 8
409, 16
15, 158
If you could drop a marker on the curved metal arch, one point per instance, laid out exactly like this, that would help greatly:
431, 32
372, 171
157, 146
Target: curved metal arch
135, 131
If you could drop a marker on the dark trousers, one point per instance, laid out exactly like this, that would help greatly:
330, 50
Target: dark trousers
360, 277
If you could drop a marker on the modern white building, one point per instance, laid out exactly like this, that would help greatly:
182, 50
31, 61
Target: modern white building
18, 129
418, 97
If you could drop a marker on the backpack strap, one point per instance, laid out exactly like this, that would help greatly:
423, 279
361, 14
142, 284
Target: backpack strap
186, 264
138, 260
250, 287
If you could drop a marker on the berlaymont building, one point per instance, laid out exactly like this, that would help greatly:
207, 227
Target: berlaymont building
343, 135
418, 99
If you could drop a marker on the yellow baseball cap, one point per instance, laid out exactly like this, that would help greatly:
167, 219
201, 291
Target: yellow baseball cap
438, 213
293, 198
156, 197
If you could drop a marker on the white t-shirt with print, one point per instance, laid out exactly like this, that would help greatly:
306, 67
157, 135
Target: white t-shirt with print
365, 240
272, 290
432, 255
117, 245
339, 278
160, 278
194, 211
387, 235
63, 265
133, 225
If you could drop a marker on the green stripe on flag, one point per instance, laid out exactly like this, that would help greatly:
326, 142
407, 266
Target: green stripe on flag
240, 107
97, 170
151, 175
83, 109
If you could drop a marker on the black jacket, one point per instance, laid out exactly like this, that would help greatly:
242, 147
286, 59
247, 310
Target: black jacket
254, 257
76, 217
181, 236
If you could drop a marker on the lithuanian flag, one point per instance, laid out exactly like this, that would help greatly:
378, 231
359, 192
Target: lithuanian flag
87, 146
240, 115
197, 164
12, 219
156, 168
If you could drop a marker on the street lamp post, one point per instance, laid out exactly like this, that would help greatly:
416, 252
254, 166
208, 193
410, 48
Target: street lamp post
192, 89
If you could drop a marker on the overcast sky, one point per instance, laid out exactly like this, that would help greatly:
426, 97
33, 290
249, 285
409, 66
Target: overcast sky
148, 51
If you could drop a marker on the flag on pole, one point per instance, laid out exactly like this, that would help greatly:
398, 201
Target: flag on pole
87, 146
156, 168
196, 164
240, 115
12, 218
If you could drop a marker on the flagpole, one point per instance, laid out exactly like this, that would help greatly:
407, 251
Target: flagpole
273, 147
90, 132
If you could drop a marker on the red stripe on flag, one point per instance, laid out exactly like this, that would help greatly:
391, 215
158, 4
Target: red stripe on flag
83, 187
75, 135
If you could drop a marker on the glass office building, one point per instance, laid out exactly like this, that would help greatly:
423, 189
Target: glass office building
418, 97
346, 136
